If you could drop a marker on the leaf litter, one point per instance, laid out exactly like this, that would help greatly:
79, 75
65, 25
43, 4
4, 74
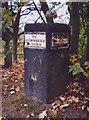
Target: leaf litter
13, 85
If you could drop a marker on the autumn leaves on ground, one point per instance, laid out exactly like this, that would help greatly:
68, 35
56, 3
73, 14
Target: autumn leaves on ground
72, 104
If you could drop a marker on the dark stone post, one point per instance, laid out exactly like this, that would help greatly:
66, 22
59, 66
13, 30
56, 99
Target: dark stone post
46, 54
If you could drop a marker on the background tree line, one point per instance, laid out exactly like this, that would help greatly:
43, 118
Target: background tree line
79, 24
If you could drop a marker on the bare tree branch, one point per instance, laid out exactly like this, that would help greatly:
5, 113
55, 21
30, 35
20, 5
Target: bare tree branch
46, 11
27, 8
39, 12
20, 34
25, 13
37, 19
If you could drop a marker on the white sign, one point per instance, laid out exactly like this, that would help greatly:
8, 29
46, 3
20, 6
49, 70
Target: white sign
35, 40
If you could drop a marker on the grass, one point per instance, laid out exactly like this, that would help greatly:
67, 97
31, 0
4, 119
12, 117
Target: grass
28, 104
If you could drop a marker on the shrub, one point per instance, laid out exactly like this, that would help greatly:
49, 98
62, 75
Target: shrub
76, 67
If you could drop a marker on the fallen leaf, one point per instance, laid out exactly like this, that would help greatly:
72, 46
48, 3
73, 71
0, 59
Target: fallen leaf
12, 92
0, 118
12, 88
17, 89
5, 89
25, 105
76, 84
82, 93
86, 98
57, 102
43, 114
83, 107
70, 83
56, 106
69, 100
22, 85
87, 109
32, 115
64, 106
63, 110
27, 116
62, 98
16, 81
21, 104
75, 99
6, 86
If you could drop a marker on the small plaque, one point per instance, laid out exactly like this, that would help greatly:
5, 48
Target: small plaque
59, 40
35, 40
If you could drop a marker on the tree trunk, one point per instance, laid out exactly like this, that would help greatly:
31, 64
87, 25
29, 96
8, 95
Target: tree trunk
88, 47
75, 27
8, 60
15, 35
45, 9
8, 53
15, 50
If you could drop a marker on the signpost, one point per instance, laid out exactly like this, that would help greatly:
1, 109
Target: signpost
46, 54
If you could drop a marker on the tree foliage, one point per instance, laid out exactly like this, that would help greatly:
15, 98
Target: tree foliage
11, 19
79, 22
84, 30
